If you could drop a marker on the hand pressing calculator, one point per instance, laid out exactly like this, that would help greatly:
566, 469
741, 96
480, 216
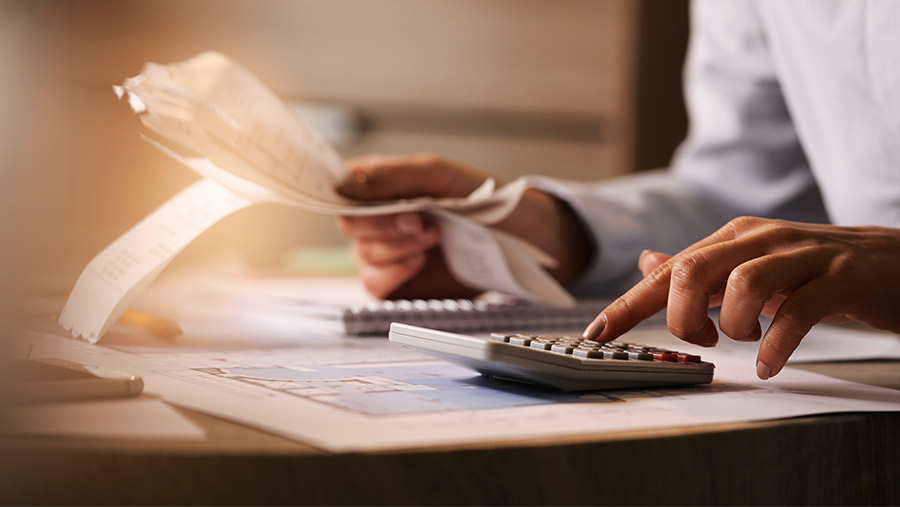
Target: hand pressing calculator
565, 362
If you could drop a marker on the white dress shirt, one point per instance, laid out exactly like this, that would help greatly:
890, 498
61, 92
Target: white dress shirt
794, 111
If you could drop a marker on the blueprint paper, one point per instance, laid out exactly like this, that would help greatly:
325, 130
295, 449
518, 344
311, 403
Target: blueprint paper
257, 149
353, 394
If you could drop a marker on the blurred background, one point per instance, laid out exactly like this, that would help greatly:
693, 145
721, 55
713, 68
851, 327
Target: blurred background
579, 89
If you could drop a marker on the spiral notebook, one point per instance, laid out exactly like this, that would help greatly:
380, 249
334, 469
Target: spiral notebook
446, 314
340, 305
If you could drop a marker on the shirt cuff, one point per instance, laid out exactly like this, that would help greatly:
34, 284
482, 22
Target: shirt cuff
613, 230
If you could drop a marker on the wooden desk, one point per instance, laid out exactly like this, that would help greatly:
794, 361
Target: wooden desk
832, 459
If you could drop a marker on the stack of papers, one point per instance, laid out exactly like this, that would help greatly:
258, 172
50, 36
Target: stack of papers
254, 149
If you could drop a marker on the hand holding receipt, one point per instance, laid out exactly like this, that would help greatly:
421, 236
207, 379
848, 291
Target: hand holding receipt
257, 151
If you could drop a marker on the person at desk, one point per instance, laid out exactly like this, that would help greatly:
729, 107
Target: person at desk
784, 199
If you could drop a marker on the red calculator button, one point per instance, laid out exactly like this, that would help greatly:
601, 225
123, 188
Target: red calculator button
665, 356
688, 358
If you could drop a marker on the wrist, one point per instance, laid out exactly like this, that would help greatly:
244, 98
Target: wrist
550, 224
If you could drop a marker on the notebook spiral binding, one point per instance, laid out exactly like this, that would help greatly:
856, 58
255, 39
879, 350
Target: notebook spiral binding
466, 315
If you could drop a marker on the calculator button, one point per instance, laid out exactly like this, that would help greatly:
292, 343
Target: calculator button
562, 348
500, 337
520, 340
541, 344
615, 354
589, 353
688, 358
640, 356
665, 356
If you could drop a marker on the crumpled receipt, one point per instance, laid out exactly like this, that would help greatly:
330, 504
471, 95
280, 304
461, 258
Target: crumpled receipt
256, 150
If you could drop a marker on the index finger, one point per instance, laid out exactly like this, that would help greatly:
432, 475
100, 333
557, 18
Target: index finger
647, 297
641, 302
378, 178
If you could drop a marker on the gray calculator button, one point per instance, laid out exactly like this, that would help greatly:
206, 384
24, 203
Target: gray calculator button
615, 354
593, 354
520, 340
562, 348
641, 356
543, 344
500, 337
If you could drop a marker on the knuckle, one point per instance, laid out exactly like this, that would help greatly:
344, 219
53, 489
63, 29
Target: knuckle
688, 268
659, 276
745, 279
746, 225
743, 223
786, 233
844, 266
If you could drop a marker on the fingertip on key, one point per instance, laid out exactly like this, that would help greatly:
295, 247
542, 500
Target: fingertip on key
595, 328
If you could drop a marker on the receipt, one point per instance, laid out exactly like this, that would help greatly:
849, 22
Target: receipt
256, 150
115, 277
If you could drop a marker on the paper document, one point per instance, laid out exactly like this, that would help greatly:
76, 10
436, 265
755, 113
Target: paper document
113, 419
256, 150
358, 394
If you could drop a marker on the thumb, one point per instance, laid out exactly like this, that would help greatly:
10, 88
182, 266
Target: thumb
650, 260
378, 178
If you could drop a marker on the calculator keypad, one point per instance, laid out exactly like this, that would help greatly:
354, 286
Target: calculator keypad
581, 347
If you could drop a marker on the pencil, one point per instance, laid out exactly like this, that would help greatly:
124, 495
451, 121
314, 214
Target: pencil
160, 326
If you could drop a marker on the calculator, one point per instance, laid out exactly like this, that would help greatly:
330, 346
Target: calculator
567, 363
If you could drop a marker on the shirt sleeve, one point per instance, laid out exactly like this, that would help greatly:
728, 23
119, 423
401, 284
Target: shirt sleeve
742, 156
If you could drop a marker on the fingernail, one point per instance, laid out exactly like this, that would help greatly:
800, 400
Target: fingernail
409, 223
641, 258
595, 328
763, 371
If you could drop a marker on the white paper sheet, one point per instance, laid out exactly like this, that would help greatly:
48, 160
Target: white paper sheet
260, 151
112, 419
351, 394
